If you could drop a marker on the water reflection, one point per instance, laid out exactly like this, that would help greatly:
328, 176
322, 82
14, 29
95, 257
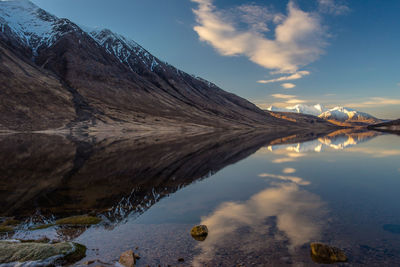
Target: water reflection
338, 140
43, 178
284, 215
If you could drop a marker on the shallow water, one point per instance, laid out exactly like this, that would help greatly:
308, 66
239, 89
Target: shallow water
263, 199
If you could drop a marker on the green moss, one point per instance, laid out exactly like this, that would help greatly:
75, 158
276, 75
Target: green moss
10, 222
30, 251
79, 220
66, 252
199, 232
78, 254
6, 229
42, 226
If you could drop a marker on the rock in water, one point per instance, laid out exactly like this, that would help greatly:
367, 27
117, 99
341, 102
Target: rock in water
321, 253
40, 253
199, 232
127, 259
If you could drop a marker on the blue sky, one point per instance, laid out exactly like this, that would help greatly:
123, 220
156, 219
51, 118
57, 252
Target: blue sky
340, 52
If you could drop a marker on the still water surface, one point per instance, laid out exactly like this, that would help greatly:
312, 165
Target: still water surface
262, 200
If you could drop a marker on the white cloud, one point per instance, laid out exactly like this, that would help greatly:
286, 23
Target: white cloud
289, 170
375, 102
296, 101
333, 7
293, 179
294, 76
288, 85
283, 96
298, 36
398, 84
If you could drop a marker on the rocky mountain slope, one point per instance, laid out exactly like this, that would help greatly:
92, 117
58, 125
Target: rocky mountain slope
390, 126
55, 74
338, 115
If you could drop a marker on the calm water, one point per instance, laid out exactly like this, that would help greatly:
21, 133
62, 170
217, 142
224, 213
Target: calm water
263, 199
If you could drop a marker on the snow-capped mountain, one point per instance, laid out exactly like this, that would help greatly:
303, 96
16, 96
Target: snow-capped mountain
127, 51
337, 114
338, 140
33, 26
66, 75
315, 110
346, 114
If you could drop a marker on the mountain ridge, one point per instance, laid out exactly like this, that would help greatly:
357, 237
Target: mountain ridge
105, 80
338, 114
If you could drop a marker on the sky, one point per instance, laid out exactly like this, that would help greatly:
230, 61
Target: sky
271, 52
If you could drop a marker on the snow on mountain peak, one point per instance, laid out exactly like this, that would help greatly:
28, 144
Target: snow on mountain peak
337, 113
315, 110
31, 24
126, 50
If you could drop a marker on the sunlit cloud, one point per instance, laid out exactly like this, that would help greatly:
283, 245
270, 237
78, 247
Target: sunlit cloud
283, 96
296, 101
298, 36
288, 85
283, 160
290, 157
376, 153
298, 215
333, 7
375, 102
293, 179
294, 76
289, 170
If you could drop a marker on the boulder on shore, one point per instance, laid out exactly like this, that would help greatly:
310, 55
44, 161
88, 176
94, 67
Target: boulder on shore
44, 254
127, 259
199, 232
321, 253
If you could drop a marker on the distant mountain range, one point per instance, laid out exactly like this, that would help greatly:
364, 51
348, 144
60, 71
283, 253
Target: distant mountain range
55, 74
390, 126
337, 140
338, 115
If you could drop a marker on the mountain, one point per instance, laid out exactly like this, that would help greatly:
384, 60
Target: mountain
342, 114
337, 115
55, 74
315, 110
389, 126
337, 140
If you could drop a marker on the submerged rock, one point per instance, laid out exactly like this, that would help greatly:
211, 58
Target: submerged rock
42, 253
321, 253
199, 232
79, 220
127, 259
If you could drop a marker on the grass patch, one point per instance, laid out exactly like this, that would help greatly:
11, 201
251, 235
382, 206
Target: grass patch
6, 229
78, 254
11, 222
79, 220
42, 226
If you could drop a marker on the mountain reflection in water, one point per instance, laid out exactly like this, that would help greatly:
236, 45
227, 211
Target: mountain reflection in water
46, 177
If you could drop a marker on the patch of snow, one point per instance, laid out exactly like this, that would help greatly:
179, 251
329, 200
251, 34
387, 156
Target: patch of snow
31, 24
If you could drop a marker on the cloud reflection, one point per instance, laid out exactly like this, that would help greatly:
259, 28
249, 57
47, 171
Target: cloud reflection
284, 214
293, 179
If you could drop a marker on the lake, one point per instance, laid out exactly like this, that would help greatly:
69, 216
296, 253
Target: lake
264, 198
